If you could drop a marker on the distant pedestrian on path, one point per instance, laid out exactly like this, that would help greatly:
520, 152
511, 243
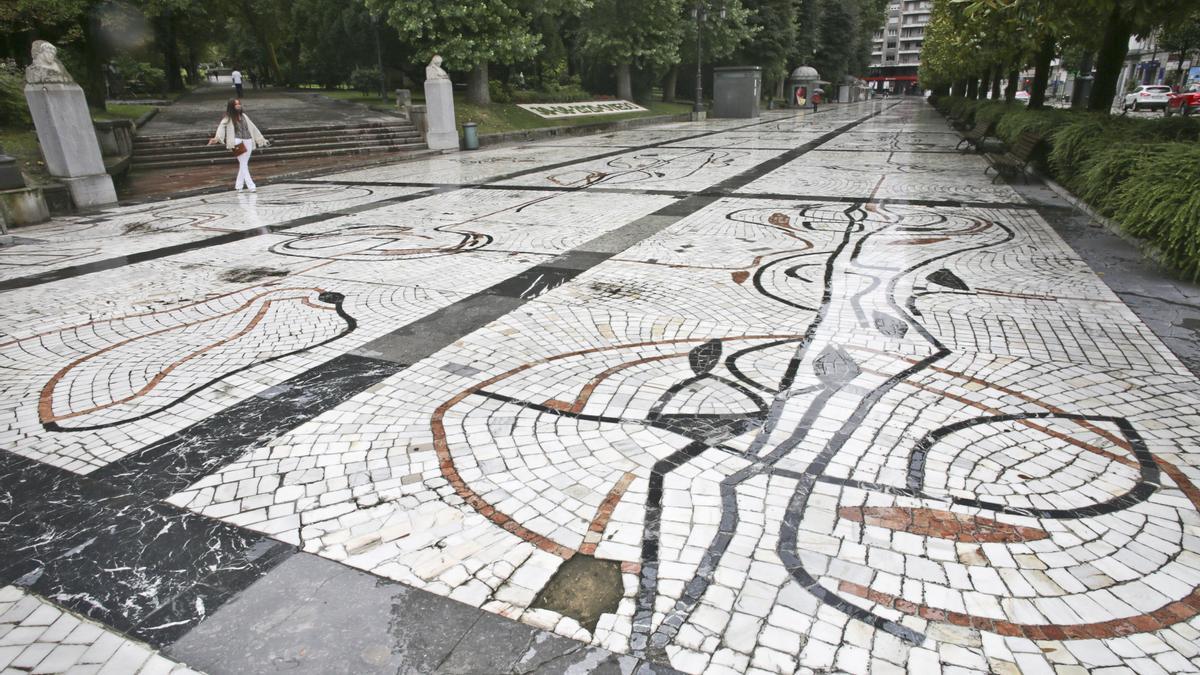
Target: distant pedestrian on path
237, 81
236, 130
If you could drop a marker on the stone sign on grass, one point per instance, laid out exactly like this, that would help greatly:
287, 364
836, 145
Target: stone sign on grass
581, 109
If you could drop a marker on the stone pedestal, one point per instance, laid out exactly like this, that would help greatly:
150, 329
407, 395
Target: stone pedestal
68, 140
439, 106
24, 206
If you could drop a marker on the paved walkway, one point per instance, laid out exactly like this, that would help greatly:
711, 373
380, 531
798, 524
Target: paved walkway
805, 392
200, 110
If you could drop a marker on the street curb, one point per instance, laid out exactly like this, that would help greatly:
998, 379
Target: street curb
146, 117
1112, 227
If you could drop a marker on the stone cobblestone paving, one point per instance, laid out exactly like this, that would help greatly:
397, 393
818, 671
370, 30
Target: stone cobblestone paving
799, 394
38, 637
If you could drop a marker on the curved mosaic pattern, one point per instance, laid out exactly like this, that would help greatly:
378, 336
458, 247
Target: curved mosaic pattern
768, 491
812, 393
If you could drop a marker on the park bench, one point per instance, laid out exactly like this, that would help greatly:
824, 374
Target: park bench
976, 135
1017, 159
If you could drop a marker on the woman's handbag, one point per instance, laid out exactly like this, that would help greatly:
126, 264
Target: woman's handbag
239, 149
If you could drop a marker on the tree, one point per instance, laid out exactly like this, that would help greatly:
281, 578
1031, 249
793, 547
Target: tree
624, 33
1182, 38
468, 34
836, 47
774, 24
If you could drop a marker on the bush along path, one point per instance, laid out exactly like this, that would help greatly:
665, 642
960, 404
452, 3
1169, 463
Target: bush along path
1141, 173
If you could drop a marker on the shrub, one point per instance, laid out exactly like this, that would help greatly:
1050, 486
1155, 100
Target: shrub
140, 77
1014, 123
365, 80
13, 109
992, 111
500, 92
1157, 200
1072, 144
1100, 176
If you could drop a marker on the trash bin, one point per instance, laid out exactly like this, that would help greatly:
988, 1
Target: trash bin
736, 90
470, 136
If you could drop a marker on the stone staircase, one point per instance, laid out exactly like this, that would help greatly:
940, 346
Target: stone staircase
168, 151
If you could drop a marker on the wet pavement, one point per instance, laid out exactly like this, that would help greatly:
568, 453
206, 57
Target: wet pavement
807, 392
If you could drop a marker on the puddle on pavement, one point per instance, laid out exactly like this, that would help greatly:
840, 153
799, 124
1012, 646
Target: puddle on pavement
242, 275
583, 588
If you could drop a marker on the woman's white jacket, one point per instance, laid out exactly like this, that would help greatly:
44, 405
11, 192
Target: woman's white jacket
226, 130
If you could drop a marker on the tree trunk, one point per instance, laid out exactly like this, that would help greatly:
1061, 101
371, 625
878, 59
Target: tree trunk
1041, 73
1010, 91
669, 83
997, 78
624, 83
256, 27
477, 85
985, 84
1080, 89
1110, 60
973, 88
95, 86
170, 52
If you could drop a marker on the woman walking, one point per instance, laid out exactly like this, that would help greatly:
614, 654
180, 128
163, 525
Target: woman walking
240, 136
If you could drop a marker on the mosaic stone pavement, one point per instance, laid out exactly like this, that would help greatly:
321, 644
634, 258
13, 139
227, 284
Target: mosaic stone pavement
802, 393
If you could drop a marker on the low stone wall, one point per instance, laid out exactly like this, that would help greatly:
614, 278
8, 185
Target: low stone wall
116, 137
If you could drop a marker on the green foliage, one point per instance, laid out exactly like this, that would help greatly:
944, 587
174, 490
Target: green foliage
553, 92
365, 80
774, 26
1157, 200
641, 33
140, 77
1078, 142
1043, 122
500, 92
14, 112
464, 32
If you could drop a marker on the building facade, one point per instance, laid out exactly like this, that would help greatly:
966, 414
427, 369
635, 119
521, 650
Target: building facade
896, 50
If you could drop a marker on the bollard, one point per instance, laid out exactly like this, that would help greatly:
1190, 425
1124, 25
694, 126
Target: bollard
470, 136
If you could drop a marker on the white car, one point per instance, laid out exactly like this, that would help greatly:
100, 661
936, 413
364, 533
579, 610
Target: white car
1146, 96
1022, 97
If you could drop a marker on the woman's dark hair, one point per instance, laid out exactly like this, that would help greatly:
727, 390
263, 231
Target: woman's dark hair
232, 112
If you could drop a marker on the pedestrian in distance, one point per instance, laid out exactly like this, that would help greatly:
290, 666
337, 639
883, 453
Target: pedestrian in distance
237, 81
241, 137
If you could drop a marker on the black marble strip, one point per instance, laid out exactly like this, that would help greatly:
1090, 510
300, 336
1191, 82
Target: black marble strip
145, 568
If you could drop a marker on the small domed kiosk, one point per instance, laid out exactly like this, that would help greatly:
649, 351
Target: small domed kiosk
803, 81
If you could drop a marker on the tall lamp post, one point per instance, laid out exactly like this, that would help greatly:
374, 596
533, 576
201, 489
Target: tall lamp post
700, 14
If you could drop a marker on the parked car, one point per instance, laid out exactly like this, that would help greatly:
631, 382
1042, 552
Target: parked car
1146, 96
1185, 102
1022, 97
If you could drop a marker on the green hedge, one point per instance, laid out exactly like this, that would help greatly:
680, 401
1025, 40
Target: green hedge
1142, 173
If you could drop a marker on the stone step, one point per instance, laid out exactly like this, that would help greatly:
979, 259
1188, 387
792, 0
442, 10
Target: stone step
198, 140
324, 142
268, 156
276, 131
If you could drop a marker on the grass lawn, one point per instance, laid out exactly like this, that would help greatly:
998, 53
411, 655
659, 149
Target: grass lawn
500, 117
22, 145
121, 111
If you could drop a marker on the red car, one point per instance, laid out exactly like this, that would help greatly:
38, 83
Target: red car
1185, 102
